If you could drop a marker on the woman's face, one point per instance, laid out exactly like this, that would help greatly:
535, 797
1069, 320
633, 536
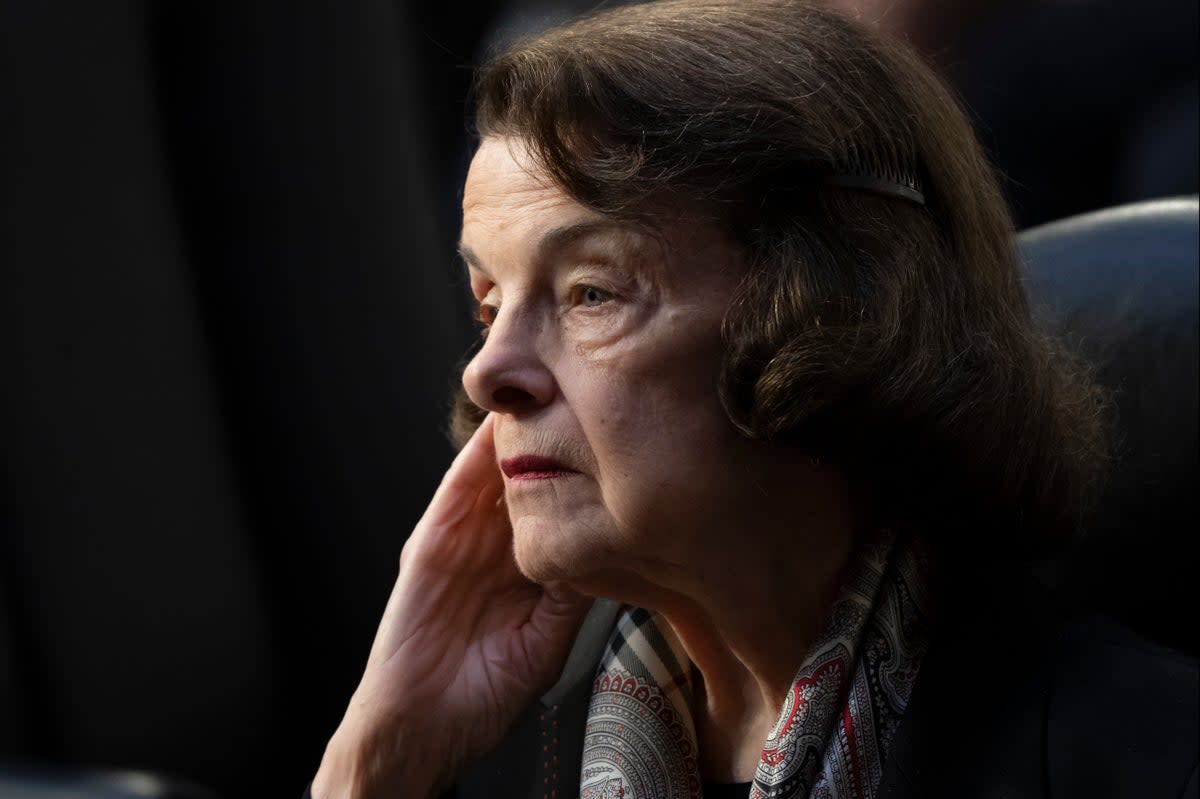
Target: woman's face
600, 363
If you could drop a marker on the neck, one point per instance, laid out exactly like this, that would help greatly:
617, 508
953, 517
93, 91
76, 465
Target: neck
746, 645
748, 612
747, 617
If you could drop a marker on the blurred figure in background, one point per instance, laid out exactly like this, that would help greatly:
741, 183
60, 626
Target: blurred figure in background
1082, 104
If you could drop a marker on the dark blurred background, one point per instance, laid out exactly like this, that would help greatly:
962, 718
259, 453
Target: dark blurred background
230, 317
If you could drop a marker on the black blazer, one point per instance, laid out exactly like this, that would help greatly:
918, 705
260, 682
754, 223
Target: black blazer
1013, 700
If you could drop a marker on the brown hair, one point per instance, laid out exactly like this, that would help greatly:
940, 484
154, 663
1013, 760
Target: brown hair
892, 338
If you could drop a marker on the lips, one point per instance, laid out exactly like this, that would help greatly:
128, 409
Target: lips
533, 467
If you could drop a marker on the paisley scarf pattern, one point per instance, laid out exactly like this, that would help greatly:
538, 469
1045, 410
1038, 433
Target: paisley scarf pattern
833, 732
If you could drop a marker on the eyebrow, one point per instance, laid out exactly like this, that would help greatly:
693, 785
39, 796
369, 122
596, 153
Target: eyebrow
559, 238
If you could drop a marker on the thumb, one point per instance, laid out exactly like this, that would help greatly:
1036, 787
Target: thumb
555, 620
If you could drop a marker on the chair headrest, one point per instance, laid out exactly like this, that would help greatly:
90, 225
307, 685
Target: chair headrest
1122, 284
1136, 258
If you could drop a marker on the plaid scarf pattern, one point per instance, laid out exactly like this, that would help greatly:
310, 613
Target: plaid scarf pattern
832, 735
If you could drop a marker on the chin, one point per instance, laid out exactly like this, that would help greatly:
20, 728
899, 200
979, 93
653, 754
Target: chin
549, 551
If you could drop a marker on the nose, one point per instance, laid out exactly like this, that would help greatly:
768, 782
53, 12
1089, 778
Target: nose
507, 375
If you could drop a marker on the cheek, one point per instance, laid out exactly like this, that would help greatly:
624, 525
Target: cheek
653, 421
662, 385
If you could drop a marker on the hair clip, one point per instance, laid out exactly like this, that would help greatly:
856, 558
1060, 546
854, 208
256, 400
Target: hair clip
909, 190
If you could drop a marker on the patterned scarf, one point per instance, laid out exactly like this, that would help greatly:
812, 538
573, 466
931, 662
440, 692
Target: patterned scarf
833, 732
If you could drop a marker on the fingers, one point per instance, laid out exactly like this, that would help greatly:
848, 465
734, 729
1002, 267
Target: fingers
554, 623
560, 605
464, 522
472, 476
454, 525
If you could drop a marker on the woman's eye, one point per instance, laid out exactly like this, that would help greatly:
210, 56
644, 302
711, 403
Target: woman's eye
486, 314
591, 297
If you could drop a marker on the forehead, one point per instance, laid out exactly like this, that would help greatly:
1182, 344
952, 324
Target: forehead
506, 192
510, 203
502, 162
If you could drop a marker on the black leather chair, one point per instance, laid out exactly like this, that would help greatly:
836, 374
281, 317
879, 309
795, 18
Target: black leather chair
1122, 284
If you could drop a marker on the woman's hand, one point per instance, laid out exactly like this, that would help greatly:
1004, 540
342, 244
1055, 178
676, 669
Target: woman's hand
466, 642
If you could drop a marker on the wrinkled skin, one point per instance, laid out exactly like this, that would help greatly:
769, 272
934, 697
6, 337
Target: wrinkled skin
466, 642
602, 351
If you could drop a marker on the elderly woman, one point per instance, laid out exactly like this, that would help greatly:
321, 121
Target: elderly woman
757, 368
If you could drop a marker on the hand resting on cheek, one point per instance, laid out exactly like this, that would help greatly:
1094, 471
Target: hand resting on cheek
466, 642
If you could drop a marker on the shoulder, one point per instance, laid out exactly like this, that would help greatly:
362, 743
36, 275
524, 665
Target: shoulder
1019, 703
1123, 714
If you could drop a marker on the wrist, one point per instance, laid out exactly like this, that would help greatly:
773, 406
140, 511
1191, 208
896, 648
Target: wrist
360, 771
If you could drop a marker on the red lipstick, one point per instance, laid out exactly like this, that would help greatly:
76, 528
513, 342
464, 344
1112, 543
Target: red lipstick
533, 467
